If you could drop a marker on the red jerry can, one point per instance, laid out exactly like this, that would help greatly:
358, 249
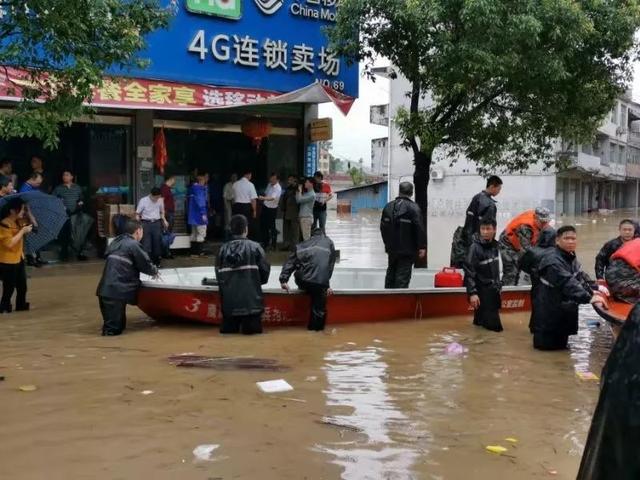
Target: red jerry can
448, 277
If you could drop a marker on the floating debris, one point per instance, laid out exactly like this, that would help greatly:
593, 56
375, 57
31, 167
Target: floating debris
146, 392
511, 440
333, 423
587, 376
227, 363
205, 452
27, 388
455, 349
274, 386
499, 449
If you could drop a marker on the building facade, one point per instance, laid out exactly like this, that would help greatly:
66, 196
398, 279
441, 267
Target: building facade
603, 175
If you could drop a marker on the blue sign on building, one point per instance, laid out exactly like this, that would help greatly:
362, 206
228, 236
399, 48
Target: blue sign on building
311, 159
276, 45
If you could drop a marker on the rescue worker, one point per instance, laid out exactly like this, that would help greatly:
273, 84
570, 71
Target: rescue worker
482, 277
563, 286
404, 236
312, 264
522, 233
627, 233
623, 273
611, 451
241, 270
482, 207
125, 260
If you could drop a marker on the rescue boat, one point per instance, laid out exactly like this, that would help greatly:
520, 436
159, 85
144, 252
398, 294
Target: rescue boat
358, 296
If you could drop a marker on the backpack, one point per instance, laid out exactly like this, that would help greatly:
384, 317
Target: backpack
458, 248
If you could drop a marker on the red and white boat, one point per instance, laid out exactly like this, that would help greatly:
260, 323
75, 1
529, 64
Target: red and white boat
359, 296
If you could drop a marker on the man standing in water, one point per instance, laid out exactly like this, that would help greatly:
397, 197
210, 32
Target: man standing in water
482, 278
312, 261
563, 286
241, 270
404, 237
627, 233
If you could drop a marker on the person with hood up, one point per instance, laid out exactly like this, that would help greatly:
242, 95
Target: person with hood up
312, 261
627, 233
563, 286
404, 237
623, 272
241, 270
125, 260
482, 277
613, 443
197, 218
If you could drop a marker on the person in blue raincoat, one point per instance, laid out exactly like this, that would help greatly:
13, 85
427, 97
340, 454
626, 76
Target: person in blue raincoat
197, 214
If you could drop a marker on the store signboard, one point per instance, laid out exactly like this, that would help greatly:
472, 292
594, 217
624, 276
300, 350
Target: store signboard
311, 160
273, 45
321, 129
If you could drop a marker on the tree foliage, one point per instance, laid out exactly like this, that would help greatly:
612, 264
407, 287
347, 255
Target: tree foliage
66, 46
495, 80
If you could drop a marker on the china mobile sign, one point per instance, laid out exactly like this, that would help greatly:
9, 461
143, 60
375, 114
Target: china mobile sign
275, 45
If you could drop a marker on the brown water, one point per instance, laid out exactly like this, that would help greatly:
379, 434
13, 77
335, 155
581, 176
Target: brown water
379, 401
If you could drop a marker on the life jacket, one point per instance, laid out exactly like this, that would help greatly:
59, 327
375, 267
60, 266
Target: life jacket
527, 218
630, 253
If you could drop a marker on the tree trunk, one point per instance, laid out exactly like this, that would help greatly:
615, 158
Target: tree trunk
421, 177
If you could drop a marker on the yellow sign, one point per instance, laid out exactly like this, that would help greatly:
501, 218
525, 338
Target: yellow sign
321, 129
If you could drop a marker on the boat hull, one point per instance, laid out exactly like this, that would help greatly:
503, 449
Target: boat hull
203, 305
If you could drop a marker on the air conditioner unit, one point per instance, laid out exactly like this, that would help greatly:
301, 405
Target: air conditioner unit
621, 131
437, 174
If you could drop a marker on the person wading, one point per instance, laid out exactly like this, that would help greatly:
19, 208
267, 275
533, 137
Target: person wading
627, 233
563, 286
404, 237
522, 233
241, 270
482, 278
312, 261
120, 281
150, 212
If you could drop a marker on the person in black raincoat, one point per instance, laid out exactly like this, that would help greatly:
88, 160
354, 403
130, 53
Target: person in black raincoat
623, 273
241, 270
404, 237
125, 260
312, 261
563, 286
627, 233
612, 451
482, 277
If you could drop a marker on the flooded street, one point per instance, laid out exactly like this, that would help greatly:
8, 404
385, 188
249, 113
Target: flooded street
375, 401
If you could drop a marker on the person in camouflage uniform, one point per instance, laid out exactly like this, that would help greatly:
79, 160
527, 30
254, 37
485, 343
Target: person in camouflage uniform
521, 234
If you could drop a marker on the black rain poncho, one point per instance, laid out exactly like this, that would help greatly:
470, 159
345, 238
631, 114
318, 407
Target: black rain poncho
613, 445
623, 281
482, 278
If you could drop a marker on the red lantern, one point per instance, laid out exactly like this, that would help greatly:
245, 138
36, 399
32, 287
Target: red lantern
256, 128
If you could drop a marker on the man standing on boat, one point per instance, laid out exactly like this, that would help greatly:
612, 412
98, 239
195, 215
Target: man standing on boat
241, 270
312, 261
563, 286
627, 233
404, 237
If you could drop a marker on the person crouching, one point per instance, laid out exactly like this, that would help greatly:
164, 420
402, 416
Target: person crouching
241, 270
312, 261
125, 260
482, 277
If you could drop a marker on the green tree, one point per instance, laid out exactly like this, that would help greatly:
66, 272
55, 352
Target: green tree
495, 80
357, 176
66, 46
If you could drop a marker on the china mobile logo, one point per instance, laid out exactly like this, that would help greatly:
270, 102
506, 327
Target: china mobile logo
269, 7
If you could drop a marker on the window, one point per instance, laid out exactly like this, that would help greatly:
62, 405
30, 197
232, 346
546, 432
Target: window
620, 154
612, 152
623, 116
614, 113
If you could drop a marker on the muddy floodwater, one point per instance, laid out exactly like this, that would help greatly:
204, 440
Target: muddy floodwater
377, 401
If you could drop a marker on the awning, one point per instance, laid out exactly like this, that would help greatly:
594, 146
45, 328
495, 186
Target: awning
146, 94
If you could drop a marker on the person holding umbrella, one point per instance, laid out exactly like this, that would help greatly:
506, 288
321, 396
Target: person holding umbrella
12, 267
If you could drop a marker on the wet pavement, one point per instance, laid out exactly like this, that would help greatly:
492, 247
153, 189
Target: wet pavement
378, 401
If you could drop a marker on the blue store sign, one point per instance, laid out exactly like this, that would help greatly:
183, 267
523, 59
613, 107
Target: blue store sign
276, 45
311, 160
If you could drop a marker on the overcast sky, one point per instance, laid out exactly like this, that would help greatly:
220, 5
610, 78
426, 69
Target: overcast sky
352, 134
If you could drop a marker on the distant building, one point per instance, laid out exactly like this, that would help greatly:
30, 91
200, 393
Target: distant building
602, 175
372, 196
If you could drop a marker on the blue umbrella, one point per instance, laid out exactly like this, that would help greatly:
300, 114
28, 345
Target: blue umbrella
48, 212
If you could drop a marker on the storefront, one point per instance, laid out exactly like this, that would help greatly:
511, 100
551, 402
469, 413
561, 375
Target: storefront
220, 64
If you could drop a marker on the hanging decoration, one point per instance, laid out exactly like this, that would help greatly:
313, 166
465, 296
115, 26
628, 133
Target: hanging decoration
160, 151
256, 128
